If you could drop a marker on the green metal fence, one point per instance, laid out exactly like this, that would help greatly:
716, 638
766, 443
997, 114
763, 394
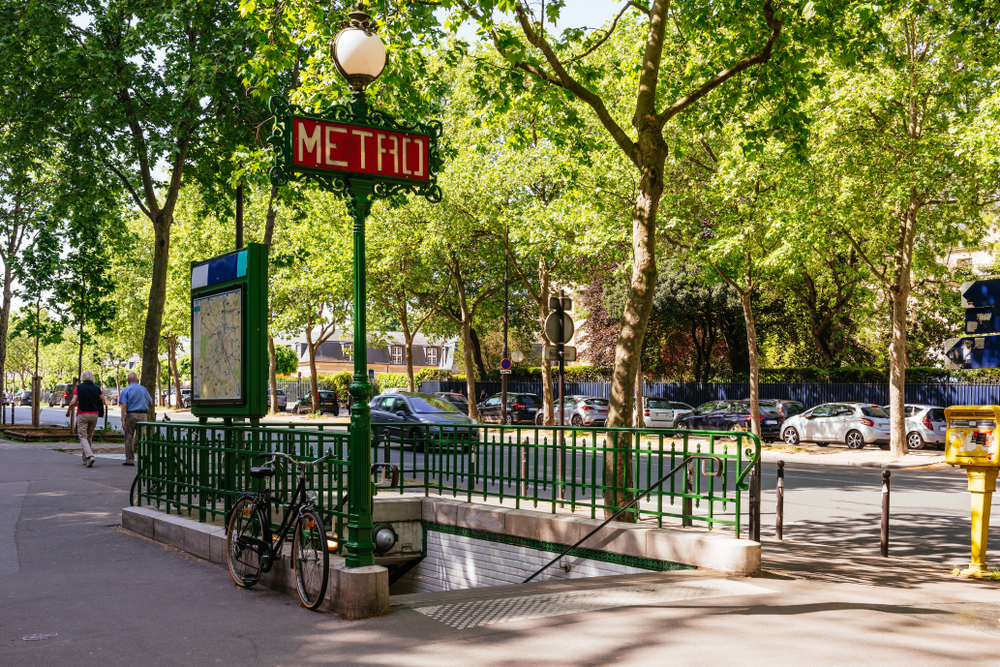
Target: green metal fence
596, 469
200, 470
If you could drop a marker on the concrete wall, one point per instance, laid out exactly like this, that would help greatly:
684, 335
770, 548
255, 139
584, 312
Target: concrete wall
457, 561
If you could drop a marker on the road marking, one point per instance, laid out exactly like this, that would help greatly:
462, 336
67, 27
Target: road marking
477, 613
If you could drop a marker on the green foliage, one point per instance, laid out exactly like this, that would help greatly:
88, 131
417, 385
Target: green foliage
288, 361
385, 381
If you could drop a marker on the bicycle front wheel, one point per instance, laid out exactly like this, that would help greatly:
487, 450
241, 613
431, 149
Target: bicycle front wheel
244, 537
133, 493
312, 561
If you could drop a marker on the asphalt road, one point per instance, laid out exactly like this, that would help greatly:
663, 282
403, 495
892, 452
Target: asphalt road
57, 416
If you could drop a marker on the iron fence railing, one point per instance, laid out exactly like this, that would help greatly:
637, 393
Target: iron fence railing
596, 469
200, 470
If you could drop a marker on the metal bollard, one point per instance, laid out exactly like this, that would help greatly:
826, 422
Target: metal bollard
885, 514
687, 505
779, 513
755, 503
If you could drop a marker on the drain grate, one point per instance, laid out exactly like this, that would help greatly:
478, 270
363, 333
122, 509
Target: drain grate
473, 614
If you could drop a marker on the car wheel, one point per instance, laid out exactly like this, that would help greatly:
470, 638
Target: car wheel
539, 418
855, 440
416, 437
737, 428
509, 420
790, 436
576, 421
914, 441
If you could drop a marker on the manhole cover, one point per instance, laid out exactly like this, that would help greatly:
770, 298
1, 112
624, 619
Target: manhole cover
38, 636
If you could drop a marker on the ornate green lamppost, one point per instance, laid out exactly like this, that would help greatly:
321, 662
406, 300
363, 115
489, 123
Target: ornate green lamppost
362, 154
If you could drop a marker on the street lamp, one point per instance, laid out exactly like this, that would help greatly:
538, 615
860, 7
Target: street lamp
360, 57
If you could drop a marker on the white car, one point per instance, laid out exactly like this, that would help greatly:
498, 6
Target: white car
661, 413
925, 425
855, 424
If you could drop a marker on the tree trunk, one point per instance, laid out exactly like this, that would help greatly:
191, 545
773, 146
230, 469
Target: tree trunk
635, 318
5, 324
150, 377
470, 372
899, 296
313, 380
172, 360
272, 374
745, 296
477, 352
548, 396
639, 421
407, 346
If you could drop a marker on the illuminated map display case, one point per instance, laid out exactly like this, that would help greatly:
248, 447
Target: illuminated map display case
229, 334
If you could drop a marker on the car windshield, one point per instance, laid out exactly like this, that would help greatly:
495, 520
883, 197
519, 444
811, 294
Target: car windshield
874, 411
937, 415
655, 404
431, 405
527, 399
603, 402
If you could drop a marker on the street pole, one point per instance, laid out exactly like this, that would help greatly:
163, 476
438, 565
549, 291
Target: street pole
560, 461
360, 546
506, 295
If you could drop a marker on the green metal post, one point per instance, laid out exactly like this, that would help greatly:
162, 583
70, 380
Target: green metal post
359, 545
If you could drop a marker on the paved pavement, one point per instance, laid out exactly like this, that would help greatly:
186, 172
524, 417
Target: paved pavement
113, 598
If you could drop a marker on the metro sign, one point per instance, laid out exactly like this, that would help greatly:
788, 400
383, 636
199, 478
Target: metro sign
359, 149
349, 147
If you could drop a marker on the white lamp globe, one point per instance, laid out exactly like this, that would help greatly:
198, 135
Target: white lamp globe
358, 52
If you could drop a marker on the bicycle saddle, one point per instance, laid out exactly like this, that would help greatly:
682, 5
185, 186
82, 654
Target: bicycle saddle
261, 473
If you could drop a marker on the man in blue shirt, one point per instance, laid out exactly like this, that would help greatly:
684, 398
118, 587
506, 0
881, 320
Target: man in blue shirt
134, 401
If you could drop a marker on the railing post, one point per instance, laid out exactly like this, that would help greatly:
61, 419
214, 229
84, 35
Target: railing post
884, 543
755, 503
687, 506
779, 511
230, 460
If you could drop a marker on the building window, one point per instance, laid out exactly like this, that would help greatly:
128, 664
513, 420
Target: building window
348, 349
432, 356
397, 354
964, 261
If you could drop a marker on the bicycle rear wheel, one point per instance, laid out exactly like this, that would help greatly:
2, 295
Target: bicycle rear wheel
244, 537
133, 493
312, 561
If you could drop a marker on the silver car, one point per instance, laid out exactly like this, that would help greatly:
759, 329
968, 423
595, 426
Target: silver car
579, 411
925, 425
855, 424
661, 413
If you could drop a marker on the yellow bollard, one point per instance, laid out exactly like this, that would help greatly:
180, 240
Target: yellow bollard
982, 484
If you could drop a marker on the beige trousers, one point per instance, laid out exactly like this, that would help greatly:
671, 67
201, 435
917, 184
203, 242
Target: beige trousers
85, 427
128, 426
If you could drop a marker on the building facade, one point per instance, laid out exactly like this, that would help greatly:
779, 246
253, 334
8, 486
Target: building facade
337, 355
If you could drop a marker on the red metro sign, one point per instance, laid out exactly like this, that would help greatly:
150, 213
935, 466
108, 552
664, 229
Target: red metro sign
318, 145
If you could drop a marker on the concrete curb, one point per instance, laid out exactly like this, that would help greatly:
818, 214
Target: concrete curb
916, 463
353, 593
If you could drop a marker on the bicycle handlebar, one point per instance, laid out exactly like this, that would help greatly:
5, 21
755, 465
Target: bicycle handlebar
302, 464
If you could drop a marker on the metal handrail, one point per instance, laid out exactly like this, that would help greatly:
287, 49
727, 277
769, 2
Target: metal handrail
717, 472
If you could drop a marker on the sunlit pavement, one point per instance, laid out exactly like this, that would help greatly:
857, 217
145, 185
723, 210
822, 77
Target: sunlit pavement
111, 598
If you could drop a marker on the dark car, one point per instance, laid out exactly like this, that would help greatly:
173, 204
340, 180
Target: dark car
784, 407
732, 416
327, 403
521, 408
414, 416
22, 398
61, 395
456, 399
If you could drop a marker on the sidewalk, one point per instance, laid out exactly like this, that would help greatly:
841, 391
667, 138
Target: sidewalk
117, 599
932, 459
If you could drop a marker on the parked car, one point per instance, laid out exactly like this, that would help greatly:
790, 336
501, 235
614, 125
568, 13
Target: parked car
855, 424
661, 413
327, 403
925, 425
580, 410
22, 397
521, 408
415, 416
731, 416
456, 399
61, 395
282, 399
185, 401
784, 407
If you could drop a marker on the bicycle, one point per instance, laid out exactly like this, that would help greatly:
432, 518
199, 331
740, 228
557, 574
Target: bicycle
252, 549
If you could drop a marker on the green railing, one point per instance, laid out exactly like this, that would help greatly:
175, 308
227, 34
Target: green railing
569, 468
200, 470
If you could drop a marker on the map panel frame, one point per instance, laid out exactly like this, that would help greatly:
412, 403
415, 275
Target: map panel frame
241, 400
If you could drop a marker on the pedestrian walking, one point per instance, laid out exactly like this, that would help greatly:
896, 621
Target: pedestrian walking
482, 396
89, 403
134, 402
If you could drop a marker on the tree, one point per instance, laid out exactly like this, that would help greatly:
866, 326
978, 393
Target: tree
152, 84
901, 157
288, 361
